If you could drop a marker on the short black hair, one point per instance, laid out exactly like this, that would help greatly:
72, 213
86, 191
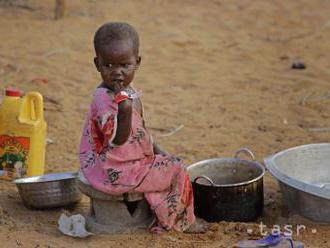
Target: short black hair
116, 31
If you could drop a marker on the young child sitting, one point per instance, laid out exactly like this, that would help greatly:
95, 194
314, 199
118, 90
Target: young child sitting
117, 154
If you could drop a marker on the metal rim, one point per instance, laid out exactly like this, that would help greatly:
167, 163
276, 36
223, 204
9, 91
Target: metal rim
51, 177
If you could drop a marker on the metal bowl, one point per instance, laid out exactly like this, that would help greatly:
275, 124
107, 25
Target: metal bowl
303, 173
49, 191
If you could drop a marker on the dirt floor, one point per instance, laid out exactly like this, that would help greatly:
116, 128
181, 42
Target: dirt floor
220, 68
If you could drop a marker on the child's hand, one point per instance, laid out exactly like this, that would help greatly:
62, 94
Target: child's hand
122, 98
118, 86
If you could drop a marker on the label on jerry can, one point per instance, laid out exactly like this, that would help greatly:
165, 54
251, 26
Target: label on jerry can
13, 156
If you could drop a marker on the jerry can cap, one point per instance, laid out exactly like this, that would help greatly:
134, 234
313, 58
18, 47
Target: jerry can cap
13, 92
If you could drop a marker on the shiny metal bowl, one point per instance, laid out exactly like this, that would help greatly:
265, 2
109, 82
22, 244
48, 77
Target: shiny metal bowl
49, 191
303, 173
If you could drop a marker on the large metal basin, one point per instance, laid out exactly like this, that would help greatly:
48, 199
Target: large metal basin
303, 173
49, 191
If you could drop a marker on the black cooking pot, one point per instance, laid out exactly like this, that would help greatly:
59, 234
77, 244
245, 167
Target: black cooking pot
229, 189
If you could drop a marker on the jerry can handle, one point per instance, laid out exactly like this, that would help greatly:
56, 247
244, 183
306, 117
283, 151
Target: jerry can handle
36, 112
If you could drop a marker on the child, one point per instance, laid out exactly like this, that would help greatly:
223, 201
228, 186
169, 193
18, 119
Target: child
117, 154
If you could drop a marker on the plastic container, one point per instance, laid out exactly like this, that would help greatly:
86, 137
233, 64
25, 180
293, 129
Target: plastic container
22, 135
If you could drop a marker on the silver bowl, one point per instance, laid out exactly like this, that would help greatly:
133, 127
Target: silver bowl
303, 173
49, 191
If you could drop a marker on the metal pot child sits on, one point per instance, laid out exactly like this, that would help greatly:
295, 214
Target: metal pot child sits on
229, 189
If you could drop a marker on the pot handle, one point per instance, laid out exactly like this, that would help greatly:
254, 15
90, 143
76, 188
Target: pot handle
246, 151
206, 178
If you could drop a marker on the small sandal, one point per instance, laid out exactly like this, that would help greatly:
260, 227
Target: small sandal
274, 241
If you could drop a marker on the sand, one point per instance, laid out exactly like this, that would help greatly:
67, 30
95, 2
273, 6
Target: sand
220, 68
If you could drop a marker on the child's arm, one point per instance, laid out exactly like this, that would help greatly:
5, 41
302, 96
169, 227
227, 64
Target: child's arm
159, 150
124, 122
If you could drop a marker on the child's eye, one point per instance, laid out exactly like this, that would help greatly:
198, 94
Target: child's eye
108, 65
126, 66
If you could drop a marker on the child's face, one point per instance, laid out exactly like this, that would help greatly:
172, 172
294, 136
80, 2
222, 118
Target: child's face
117, 64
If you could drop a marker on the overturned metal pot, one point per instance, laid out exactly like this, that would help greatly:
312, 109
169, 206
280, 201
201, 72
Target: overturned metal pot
229, 189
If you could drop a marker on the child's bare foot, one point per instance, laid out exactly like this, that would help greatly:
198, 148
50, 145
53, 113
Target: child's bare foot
155, 228
200, 226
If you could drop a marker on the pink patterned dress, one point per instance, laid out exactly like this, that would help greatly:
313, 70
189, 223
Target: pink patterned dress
133, 166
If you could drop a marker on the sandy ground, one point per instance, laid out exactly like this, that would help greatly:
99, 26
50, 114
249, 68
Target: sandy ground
220, 68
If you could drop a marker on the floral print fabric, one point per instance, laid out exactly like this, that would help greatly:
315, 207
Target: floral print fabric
133, 166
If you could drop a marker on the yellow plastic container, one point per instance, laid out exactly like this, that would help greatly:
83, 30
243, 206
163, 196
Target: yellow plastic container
22, 135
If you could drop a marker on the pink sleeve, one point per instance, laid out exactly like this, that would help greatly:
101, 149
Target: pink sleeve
104, 119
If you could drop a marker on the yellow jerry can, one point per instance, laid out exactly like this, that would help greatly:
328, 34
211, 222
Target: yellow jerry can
22, 135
